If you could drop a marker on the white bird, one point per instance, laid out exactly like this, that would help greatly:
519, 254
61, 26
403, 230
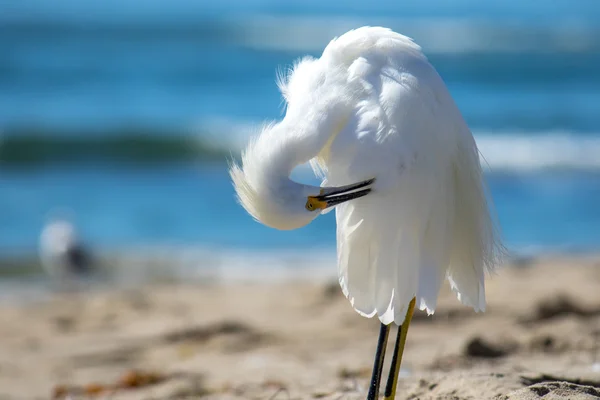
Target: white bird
401, 168
63, 256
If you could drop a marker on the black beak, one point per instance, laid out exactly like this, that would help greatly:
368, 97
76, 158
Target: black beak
337, 195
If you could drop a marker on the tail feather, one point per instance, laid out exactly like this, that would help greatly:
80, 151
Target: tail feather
436, 248
476, 247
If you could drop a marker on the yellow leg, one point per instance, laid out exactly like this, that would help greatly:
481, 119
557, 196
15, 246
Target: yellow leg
390, 387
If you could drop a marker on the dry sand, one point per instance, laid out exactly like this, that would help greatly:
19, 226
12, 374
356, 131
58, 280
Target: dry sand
301, 340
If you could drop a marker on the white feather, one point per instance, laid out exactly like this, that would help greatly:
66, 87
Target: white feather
373, 106
428, 216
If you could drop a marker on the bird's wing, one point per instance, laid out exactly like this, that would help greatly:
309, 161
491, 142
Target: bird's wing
401, 240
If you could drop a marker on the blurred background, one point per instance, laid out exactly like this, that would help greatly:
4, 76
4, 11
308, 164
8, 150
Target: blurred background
123, 114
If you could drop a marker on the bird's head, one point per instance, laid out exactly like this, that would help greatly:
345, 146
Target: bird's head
265, 191
319, 103
287, 205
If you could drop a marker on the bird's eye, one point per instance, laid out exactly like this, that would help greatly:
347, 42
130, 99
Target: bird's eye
310, 206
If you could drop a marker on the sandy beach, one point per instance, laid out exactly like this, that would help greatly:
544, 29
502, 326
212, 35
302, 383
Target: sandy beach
301, 340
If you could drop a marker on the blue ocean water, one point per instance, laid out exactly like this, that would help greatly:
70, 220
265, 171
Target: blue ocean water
524, 74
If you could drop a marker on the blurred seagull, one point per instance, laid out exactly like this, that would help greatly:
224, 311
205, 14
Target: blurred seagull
63, 255
401, 169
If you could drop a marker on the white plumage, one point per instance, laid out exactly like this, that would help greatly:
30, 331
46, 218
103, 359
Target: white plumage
372, 106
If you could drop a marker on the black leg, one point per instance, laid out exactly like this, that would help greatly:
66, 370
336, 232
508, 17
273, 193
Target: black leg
378, 364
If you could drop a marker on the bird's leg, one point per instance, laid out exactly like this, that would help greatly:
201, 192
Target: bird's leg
378, 365
390, 387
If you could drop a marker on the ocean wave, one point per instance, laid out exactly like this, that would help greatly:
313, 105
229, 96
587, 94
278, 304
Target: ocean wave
34, 147
437, 35
539, 151
502, 151
220, 141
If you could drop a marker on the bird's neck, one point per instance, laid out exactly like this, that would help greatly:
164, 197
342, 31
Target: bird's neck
303, 135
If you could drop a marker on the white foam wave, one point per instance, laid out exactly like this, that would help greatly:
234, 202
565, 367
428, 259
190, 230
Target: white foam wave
539, 151
435, 35
199, 263
500, 150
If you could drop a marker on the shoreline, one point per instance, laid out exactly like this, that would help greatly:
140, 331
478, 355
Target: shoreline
226, 264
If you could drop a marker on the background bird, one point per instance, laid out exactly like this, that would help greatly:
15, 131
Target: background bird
63, 255
401, 168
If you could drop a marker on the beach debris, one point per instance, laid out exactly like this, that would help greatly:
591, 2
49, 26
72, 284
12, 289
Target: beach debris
134, 379
346, 373
89, 390
559, 306
129, 380
93, 389
479, 348
236, 336
204, 333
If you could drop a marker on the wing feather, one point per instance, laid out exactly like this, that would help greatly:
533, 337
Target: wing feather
427, 217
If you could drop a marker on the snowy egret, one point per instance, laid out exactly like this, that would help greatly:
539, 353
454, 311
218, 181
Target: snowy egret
399, 165
62, 253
